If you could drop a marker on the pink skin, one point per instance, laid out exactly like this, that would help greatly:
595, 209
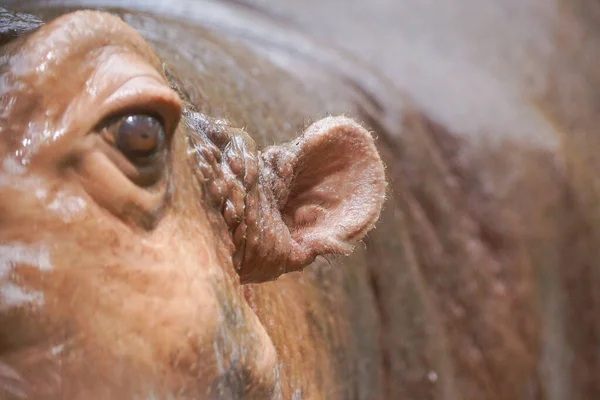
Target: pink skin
111, 289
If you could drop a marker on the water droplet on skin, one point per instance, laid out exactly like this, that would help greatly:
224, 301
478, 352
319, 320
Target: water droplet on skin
67, 206
42, 67
12, 166
57, 134
432, 376
36, 256
41, 194
91, 89
57, 349
297, 395
12, 295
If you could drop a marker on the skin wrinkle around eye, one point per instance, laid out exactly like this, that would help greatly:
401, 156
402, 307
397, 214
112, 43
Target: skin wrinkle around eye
140, 91
118, 79
125, 59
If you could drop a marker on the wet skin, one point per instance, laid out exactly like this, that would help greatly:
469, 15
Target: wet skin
144, 217
478, 282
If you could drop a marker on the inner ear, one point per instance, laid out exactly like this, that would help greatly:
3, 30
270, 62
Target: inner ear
317, 195
338, 187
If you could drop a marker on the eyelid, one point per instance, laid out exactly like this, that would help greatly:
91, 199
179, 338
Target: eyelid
145, 95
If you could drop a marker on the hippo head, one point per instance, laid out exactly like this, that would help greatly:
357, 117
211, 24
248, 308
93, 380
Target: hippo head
129, 221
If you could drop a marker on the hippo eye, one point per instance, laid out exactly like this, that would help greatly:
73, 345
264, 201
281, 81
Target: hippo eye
139, 136
136, 144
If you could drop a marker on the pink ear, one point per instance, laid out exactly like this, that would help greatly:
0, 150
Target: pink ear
317, 195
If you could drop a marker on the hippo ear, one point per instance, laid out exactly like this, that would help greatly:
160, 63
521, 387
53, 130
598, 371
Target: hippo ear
317, 195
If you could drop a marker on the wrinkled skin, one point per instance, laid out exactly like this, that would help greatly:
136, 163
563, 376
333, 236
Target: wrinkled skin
479, 282
122, 273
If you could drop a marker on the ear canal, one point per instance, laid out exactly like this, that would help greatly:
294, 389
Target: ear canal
317, 195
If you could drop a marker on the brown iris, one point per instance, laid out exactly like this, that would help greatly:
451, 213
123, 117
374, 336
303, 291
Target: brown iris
139, 136
137, 144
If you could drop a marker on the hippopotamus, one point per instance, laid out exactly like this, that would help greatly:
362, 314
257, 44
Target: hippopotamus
299, 200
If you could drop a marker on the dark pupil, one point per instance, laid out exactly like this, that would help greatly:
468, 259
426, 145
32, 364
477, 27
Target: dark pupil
140, 135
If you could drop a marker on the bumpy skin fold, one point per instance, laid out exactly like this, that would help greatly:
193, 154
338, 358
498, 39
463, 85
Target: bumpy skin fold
280, 214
